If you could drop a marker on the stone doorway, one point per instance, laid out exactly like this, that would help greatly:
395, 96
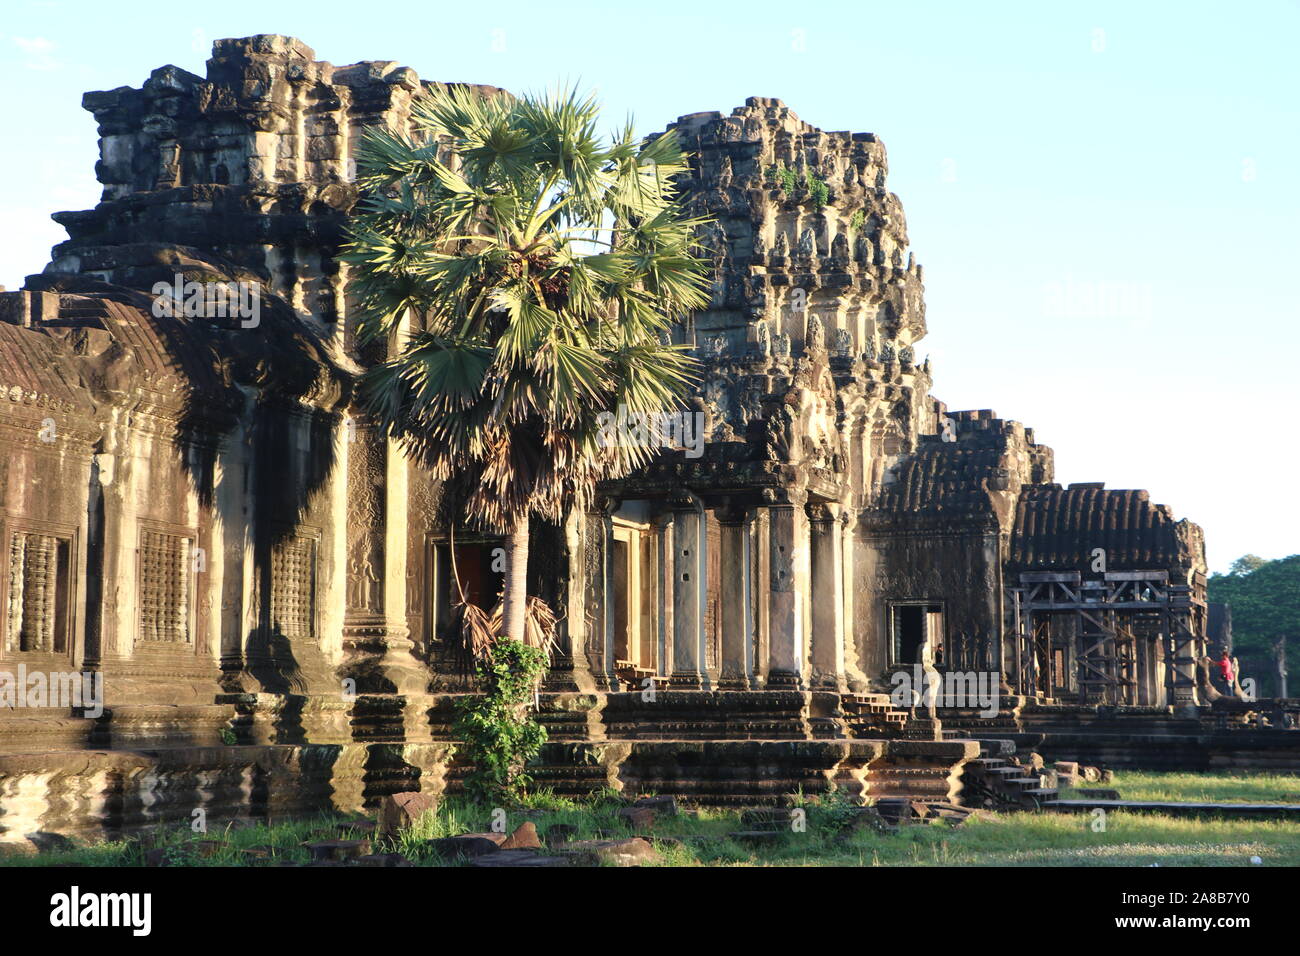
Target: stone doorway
636, 617
911, 623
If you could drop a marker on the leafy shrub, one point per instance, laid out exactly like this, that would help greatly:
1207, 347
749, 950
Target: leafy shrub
818, 190
499, 734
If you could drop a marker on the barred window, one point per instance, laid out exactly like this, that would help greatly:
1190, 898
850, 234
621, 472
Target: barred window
293, 587
39, 571
166, 564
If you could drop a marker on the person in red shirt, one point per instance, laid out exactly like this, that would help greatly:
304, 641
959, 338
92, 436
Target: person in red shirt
1225, 669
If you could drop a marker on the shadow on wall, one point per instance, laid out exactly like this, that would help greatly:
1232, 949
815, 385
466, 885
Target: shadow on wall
247, 369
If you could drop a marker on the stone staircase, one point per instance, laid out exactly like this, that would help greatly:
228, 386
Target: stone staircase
998, 776
873, 716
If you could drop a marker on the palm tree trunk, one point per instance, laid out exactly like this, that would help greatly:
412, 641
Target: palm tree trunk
514, 612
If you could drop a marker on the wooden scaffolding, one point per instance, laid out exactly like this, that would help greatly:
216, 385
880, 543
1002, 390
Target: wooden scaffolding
1134, 640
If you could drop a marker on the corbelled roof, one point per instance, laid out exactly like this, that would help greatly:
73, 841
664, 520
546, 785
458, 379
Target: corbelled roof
1060, 528
946, 477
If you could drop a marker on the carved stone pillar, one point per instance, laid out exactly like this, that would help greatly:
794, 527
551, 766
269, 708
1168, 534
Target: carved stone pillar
664, 592
788, 590
689, 541
606, 677
570, 668
594, 600
827, 599
855, 605
759, 538
375, 638
737, 605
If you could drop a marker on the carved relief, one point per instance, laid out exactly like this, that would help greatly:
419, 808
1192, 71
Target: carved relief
365, 521
815, 337
843, 342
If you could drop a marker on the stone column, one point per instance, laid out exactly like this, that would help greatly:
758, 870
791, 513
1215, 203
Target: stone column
664, 592
736, 604
854, 605
596, 604
759, 539
375, 636
607, 677
689, 541
827, 599
570, 668
788, 590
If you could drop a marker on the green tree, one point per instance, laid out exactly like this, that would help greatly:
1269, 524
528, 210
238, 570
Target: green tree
523, 272
1265, 601
1246, 563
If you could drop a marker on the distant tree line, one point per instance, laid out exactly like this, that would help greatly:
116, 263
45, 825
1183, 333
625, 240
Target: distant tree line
1265, 600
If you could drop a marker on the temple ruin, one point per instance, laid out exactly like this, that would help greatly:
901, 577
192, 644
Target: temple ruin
198, 510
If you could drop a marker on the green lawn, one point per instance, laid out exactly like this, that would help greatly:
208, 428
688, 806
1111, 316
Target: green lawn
1227, 787
703, 838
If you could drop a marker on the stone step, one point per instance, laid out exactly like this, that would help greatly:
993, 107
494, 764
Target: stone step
1043, 794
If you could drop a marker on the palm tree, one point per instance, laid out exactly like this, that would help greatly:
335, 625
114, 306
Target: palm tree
523, 273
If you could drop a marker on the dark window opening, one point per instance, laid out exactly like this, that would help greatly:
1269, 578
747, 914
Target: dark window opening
910, 626
478, 580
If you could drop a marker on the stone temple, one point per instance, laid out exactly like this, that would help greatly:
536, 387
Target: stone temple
197, 511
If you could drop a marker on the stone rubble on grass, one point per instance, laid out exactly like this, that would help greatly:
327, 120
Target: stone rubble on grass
663, 806
336, 851
868, 818
401, 811
519, 858
639, 818
524, 838
628, 852
467, 844
1067, 773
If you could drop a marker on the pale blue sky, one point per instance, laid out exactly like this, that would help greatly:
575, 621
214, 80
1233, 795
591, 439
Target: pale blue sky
1104, 195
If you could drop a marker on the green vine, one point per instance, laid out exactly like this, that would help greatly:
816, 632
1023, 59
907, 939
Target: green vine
499, 734
783, 176
818, 190
790, 182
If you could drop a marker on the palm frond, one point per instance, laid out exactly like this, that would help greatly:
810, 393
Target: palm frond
520, 270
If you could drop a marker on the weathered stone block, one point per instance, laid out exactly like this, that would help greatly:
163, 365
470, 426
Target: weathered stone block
400, 811
632, 852
524, 838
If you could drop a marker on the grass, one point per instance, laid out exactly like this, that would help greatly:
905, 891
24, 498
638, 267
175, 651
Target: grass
703, 838
1226, 787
